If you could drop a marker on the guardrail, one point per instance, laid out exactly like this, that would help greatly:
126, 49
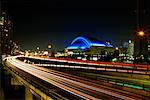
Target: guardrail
35, 85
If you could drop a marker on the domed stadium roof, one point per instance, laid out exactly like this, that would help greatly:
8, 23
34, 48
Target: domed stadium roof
85, 43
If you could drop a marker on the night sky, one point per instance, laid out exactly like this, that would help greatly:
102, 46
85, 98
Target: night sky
58, 22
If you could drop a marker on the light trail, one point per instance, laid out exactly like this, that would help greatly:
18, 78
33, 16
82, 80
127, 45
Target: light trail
123, 65
114, 69
76, 86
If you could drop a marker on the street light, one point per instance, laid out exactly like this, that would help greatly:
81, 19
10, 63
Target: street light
37, 48
49, 46
141, 33
50, 51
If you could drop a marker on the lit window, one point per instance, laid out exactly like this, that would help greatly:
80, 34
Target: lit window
5, 30
130, 41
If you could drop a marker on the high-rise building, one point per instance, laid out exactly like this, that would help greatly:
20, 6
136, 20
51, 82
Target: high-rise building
5, 33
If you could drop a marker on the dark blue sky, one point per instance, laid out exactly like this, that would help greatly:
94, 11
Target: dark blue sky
40, 22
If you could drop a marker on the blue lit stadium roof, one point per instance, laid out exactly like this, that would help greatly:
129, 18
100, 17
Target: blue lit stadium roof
85, 43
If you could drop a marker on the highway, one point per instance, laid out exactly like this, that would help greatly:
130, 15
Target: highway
87, 62
115, 64
98, 66
69, 83
106, 68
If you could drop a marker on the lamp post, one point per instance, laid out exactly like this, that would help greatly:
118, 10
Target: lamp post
140, 40
38, 48
49, 47
141, 35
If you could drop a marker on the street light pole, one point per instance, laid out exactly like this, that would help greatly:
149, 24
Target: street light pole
50, 51
139, 34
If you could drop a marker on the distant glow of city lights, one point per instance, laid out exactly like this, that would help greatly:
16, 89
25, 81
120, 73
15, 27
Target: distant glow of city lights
45, 53
108, 42
5, 30
117, 48
37, 48
70, 53
66, 50
49, 46
1, 20
130, 41
141, 33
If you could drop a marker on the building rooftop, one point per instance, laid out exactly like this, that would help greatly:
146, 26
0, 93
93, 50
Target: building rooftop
84, 42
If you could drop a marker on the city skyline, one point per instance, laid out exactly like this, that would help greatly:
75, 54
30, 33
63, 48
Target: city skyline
74, 49
59, 22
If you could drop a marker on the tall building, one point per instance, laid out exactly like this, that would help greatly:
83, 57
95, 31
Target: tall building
0, 35
130, 49
5, 33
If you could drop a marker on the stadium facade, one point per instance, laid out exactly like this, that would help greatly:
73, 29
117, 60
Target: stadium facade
89, 46
85, 43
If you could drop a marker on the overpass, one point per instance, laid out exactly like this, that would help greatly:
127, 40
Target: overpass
50, 84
